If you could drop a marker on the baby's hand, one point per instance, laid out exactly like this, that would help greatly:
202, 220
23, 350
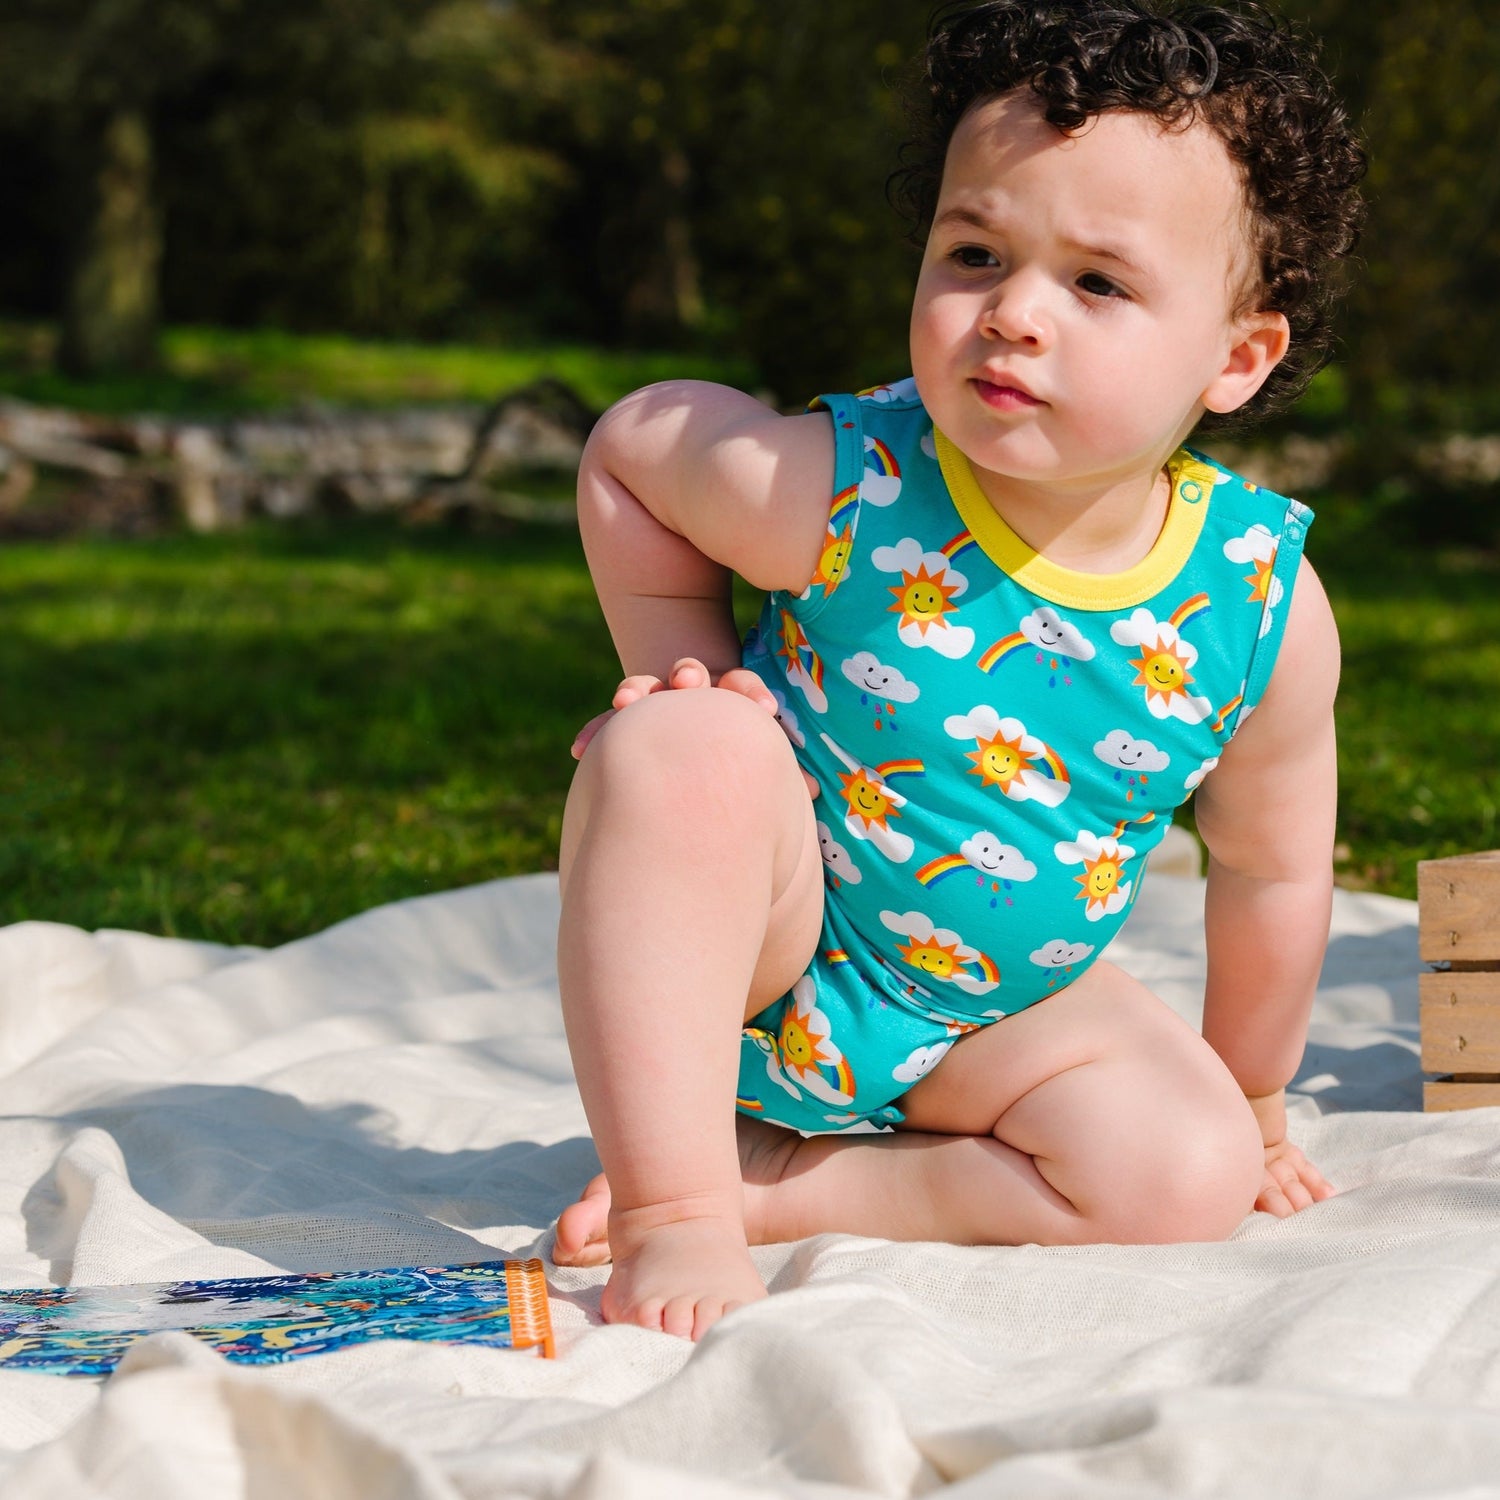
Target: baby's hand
689, 672
1291, 1181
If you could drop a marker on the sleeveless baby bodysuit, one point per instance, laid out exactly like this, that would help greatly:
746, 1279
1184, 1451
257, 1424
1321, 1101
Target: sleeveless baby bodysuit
1000, 743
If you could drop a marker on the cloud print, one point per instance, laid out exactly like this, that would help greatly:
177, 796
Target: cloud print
919, 927
878, 489
921, 1062
1195, 778
787, 718
1257, 547
1126, 753
1060, 953
983, 723
836, 857
1144, 630
1048, 631
991, 857
907, 557
868, 673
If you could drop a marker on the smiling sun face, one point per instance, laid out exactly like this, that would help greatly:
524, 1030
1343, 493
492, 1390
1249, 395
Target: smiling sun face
1260, 579
1100, 878
998, 761
869, 800
834, 560
922, 599
1162, 671
802, 1038
935, 959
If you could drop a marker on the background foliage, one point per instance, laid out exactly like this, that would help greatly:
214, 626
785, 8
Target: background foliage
221, 205
651, 172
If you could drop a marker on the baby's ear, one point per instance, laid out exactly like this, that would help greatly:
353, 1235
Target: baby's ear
1262, 339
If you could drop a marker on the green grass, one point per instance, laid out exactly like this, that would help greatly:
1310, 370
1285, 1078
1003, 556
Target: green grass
246, 738
1418, 711
208, 371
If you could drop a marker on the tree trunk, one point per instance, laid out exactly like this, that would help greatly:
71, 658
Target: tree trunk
110, 322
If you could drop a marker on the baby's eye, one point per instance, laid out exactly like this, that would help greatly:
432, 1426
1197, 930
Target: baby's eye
974, 257
1098, 286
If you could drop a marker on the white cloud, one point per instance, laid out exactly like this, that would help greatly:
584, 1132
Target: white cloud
929, 445
867, 672
919, 928
899, 390
878, 489
836, 857
1257, 545
1144, 630
1089, 847
952, 641
991, 857
1048, 631
913, 924
1060, 953
1125, 753
787, 718
921, 1062
983, 723
1195, 778
907, 556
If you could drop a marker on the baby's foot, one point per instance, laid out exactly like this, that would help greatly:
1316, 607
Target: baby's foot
678, 1275
583, 1228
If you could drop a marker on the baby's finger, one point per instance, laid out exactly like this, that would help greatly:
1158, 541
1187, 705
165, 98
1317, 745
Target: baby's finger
688, 672
634, 688
813, 789
589, 730
745, 682
1273, 1201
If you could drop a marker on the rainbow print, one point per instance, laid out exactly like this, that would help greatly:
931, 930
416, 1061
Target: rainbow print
900, 768
1002, 650
1053, 762
986, 966
1225, 712
958, 545
750, 1106
798, 651
844, 1077
845, 503
835, 956
880, 460
944, 865
1189, 609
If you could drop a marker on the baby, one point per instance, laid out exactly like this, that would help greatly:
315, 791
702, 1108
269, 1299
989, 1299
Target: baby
1012, 625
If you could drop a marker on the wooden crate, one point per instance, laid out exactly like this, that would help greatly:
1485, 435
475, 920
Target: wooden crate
1458, 926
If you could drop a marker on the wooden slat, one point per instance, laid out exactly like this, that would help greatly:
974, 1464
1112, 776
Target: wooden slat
1448, 1093
1458, 908
1460, 1022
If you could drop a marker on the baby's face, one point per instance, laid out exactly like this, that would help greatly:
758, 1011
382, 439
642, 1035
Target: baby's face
1076, 309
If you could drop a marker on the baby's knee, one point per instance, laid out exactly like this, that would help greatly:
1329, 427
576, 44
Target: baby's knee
1202, 1188
691, 744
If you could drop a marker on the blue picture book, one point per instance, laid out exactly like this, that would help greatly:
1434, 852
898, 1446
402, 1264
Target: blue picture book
84, 1330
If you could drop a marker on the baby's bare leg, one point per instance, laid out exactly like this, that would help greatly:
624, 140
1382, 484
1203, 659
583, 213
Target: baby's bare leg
692, 896
1095, 1116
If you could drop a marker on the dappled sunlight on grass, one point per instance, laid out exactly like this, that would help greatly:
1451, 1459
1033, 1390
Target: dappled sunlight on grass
246, 739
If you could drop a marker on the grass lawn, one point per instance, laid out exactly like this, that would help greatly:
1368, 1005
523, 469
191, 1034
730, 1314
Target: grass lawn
214, 371
246, 738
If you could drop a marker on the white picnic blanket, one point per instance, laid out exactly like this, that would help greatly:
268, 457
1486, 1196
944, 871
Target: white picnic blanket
397, 1091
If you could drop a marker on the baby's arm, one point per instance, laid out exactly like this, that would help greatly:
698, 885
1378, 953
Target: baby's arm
1266, 814
682, 483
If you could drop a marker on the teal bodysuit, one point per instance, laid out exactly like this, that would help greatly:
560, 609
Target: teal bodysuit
1000, 743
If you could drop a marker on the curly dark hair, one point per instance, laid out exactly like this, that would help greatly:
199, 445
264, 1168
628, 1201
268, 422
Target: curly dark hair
1250, 76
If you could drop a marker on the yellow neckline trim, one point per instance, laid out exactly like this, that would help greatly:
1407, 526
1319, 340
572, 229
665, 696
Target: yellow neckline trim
1192, 484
